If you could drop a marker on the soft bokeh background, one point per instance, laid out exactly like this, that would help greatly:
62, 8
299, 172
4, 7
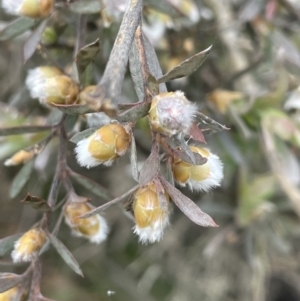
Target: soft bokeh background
249, 83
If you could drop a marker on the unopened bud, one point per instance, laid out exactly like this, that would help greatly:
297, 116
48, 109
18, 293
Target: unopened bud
28, 8
50, 85
49, 36
9, 295
84, 94
93, 228
28, 246
199, 177
20, 157
103, 147
150, 218
171, 113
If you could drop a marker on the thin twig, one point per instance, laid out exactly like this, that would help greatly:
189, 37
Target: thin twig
108, 204
80, 37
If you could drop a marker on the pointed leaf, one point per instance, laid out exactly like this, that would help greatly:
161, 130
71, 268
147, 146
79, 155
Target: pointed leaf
21, 179
184, 146
133, 160
16, 28
37, 203
86, 55
187, 206
153, 63
135, 67
196, 133
7, 243
82, 135
170, 175
199, 160
73, 109
65, 254
16, 130
135, 113
34, 40
9, 280
153, 85
86, 7
91, 186
163, 202
150, 168
213, 126
187, 67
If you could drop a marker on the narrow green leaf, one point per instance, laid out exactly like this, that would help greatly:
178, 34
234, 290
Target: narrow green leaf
65, 254
86, 55
9, 280
86, 7
21, 179
16, 28
36, 203
91, 186
71, 122
7, 243
73, 109
82, 135
16, 130
34, 40
187, 67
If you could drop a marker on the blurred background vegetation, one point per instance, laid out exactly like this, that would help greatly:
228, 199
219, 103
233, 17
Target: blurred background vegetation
249, 82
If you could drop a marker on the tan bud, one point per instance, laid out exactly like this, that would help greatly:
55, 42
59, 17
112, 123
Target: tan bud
150, 217
28, 246
198, 177
61, 90
20, 157
93, 228
171, 113
84, 95
104, 146
50, 85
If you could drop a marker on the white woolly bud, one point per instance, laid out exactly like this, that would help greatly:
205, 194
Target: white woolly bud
171, 113
29, 245
199, 177
103, 147
151, 219
50, 85
93, 228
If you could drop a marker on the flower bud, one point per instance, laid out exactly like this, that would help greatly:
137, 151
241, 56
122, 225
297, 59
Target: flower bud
28, 8
28, 246
50, 85
198, 177
171, 113
103, 147
150, 218
9, 295
93, 228
20, 157
85, 93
